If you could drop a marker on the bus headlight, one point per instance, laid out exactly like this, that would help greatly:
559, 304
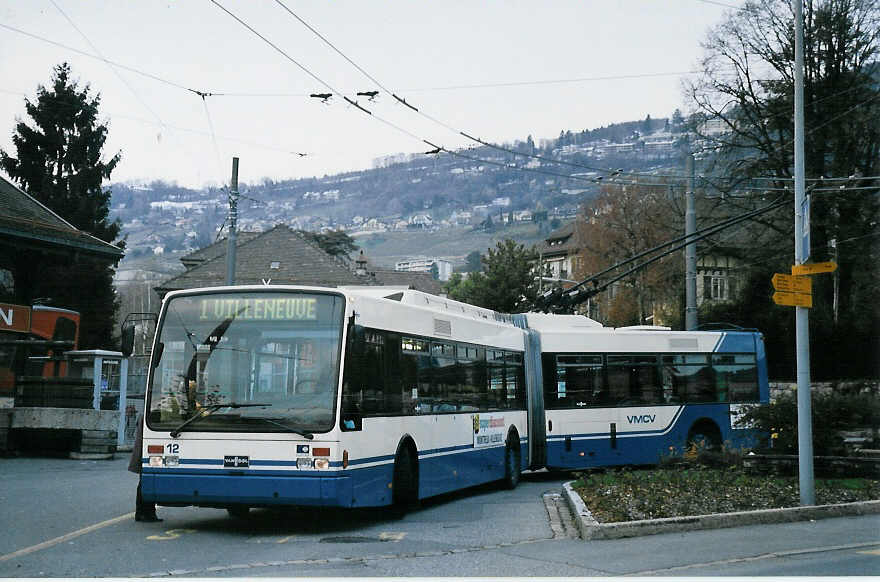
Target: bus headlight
156, 461
303, 463
172, 461
322, 463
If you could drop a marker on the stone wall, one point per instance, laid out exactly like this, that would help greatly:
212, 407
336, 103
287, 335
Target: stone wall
778, 389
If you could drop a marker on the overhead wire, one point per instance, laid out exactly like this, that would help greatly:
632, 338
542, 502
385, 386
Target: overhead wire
112, 67
574, 295
325, 84
107, 61
470, 137
423, 113
204, 94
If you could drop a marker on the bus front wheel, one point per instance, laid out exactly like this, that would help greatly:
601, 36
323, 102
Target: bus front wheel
405, 484
512, 465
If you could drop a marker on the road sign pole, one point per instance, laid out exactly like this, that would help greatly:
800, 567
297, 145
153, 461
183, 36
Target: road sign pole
802, 322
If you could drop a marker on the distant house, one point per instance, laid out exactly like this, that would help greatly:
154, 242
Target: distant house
461, 217
713, 127
559, 254
426, 265
718, 276
421, 221
282, 256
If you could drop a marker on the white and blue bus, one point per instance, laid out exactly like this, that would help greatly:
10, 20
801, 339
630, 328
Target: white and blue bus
629, 396
369, 396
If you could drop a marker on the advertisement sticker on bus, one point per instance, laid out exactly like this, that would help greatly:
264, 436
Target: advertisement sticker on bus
488, 430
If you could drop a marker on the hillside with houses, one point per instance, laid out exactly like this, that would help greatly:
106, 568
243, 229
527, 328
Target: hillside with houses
470, 199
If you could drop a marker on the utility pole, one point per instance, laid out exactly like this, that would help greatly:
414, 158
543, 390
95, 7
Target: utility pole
233, 221
801, 254
690, 251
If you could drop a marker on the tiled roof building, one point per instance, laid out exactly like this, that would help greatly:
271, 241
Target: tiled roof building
26, 223
282, 256
33, 238
559, 253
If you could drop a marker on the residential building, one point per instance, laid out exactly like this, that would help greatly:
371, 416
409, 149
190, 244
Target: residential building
30, 233
559, 255
426, 265
282, 256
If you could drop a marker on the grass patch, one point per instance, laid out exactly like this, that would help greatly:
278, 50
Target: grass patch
691, 488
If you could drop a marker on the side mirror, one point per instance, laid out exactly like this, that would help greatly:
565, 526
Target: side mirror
127, 340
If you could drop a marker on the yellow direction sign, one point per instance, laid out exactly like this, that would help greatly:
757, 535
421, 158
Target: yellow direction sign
792, 299
792, 284
814, 268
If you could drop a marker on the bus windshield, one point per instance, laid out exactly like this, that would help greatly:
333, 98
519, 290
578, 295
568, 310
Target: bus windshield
272, 356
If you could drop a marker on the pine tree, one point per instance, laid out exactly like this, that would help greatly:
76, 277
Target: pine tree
59, 162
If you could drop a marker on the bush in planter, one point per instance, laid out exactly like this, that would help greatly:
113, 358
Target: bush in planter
834, 412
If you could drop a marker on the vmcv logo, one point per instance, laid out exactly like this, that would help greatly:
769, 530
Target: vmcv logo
643, 419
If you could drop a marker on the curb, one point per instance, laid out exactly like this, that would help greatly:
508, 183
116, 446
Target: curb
590, 529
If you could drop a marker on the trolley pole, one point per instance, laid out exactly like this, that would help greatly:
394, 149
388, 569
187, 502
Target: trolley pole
801, 254
690, 252
233, 221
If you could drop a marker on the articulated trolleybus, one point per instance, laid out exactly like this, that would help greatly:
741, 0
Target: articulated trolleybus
369, 396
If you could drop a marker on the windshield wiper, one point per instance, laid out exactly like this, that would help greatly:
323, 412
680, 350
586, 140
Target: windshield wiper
208, 411
307, 435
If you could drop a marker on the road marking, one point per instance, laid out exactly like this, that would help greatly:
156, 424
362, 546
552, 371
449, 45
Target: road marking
390, 536
870, 552
285, 540
171, 534
66, 537
772, 555
212, 570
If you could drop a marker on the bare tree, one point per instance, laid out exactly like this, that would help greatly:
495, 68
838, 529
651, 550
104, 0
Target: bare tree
743, 114
621, 222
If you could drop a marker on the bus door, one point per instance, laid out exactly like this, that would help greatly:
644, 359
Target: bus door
580, 423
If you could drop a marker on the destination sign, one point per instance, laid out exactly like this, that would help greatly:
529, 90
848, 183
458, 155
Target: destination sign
293, 308
792, 283
793, 299
814, 268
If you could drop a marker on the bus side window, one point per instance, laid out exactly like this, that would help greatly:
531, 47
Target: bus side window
515, 397
618, 380
736, 377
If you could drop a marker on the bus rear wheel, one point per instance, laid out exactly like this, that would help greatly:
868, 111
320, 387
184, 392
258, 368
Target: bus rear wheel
703, 436
405, 484
512, 465
238, 511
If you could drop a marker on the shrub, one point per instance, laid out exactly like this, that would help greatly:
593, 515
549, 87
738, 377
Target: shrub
776, 422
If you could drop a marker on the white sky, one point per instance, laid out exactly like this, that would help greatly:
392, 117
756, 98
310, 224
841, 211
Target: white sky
415, 48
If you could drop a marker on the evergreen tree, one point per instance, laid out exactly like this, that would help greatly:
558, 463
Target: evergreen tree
59, 162
335, 242
59, 158
507, 283
473, 262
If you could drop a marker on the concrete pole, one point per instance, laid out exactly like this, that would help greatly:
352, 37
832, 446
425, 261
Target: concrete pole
690, 251
802, 322
233, 221
123, 401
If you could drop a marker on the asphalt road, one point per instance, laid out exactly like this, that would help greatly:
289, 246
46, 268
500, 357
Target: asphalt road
66, 518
